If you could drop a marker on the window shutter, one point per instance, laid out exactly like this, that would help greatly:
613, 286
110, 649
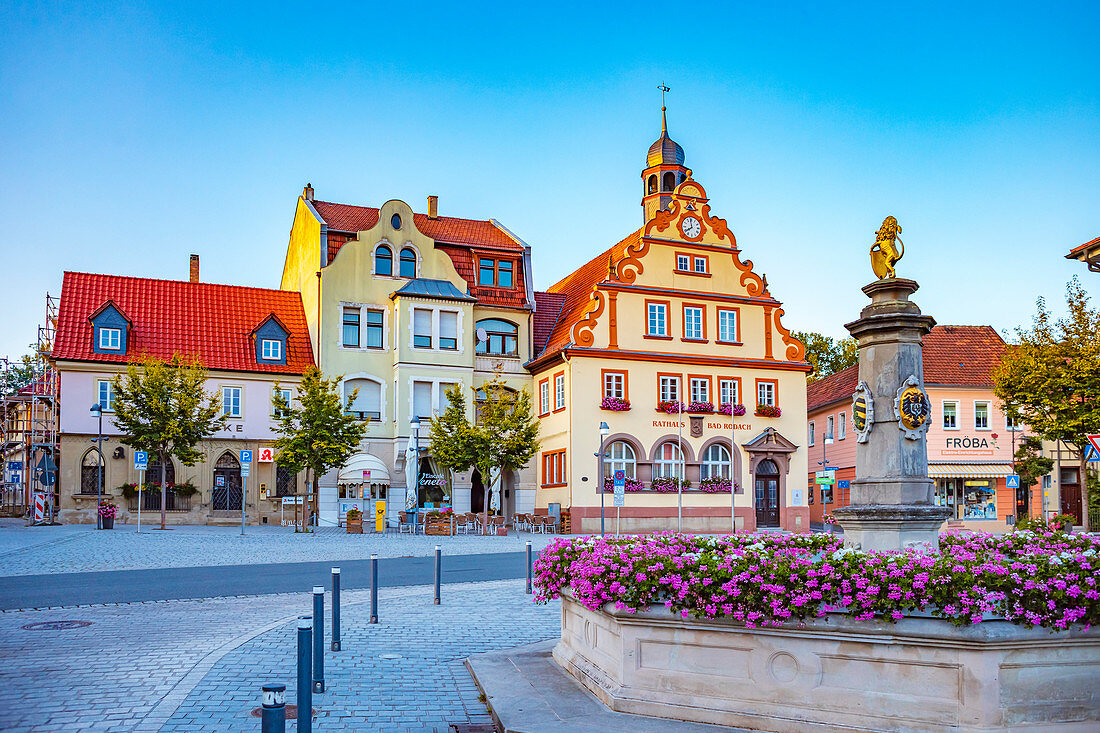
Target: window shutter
422, 399
448, 325
422, 322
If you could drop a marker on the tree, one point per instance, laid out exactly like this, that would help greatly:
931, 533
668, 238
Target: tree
161, 407
504, 436
320, 434
1030, 464
1050, 380
19, 374
826, 355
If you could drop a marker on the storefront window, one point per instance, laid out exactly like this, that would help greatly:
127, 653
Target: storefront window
968, 498
434, 490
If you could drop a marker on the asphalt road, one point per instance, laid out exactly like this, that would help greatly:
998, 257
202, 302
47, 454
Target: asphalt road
129, 586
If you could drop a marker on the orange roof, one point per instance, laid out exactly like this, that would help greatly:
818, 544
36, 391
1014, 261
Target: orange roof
1076, 252
963, 356
205, 320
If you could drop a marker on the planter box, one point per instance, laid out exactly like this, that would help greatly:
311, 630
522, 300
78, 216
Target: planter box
502, 531
834, 673
438, 527
108, 522
355, 526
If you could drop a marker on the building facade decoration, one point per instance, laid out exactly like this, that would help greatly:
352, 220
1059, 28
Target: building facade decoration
863, 412
887, 249
912, 408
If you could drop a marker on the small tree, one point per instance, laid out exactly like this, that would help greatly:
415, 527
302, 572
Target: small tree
320, 434
504, 436
19, 373
1051, 379
827, 355
1030, 464
161, 407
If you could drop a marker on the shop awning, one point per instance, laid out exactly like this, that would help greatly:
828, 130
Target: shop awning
969, 470
352, 472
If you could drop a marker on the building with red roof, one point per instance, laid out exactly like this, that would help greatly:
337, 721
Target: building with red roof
248, 339
1089, 253
970, 441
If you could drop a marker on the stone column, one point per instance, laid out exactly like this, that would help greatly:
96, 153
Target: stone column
891, 501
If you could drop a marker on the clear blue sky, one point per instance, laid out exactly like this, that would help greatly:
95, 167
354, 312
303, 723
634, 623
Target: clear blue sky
133, 136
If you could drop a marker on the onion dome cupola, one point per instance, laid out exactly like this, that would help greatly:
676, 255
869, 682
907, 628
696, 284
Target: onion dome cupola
664, 171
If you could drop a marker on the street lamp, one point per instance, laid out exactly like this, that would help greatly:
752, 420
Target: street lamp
415, 423
97, 412
824, 463
604, 431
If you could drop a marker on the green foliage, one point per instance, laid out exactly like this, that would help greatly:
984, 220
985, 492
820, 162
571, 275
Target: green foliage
19, 373
827, 355
1030, 463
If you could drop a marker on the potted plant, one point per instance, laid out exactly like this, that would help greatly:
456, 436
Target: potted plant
763, 410
672, 407
828, 520
1062, 522
354, 521
732, 410
701, 407
438, 522
616, 404
107, 512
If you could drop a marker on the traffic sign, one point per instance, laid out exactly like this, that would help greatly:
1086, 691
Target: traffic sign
1012, 482
17, 478
822, 474
1092, 455
267, 455
619, 484
827, 479
1095, 440
246, 456
15, 465
141, 460
844, 484
246, 469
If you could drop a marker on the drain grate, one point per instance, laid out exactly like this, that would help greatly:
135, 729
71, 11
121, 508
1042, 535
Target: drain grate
390, 656
56, 625
291, 712
473, 728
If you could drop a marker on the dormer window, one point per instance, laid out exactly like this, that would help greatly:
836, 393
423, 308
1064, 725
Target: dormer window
110, 330
110, 339
495, 273
270, 341
272, 350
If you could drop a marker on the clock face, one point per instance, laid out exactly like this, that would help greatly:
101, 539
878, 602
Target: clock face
690, 227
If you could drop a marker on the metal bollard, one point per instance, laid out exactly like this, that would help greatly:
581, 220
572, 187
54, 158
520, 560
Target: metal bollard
438, 566
273, 712
305, 688
374, 589
318, 638
528, 566
335, 610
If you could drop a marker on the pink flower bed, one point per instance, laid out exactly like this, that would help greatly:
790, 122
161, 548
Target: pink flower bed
1046, 579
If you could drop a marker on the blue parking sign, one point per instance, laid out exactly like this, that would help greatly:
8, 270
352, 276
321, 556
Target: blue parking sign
1013, 482
141, 460
246, 456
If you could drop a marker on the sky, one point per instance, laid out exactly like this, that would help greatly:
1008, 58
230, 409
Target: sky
132, 135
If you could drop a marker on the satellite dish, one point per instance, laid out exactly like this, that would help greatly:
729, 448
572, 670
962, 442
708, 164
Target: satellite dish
482, 335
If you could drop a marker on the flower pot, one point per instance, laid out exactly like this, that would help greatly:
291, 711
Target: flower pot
108, 522
355, 526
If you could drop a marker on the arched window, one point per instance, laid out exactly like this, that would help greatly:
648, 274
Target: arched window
383, 261
651, 186
669, 183
620, 457
716, 462
91, 472
286, 481
501, 337
368, 402
152, 475
767, 468
408, 263
668, 461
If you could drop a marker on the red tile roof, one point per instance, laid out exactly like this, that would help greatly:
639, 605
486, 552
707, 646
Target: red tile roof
212, 322
963, 356
547, 311
1076, 252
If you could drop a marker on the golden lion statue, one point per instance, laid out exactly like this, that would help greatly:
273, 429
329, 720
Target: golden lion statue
885, 253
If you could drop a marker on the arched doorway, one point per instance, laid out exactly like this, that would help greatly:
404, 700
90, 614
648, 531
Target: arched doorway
227, 494
767, 494
477, 493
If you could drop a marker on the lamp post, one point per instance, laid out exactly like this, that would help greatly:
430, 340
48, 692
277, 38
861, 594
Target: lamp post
97, 412
604, 430
415, 422
733, 492
824, 463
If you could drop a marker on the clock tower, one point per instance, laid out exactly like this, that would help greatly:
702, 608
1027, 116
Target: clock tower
664, 171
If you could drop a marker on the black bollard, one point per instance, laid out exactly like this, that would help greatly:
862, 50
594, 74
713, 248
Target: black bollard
305, 688
335, 609
273, 712
318, 638
374, 589
528, 566
438, 566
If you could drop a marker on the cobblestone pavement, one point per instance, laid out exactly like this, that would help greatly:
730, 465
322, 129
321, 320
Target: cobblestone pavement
198, 665
79, 548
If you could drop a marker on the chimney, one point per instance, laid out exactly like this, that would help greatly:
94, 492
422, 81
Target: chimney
194, 268
307, 192
433, 207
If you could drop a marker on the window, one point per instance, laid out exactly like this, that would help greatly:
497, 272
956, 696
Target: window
286, 481
231, 401
544, 396
280, 397
810, 491
700, 389
422, 328
383, 261
110, 338
395, 221
374, 329
950, 415
367, 404
422, 400
91, 473
553, 468
829, 428
614, 385
729, 391
765, 393
668, 388
495, 273
620, 457
812, 439
842, 426
699, 264
272, 349
407, 263
727, 326
668, 462
827, 493
448, 330
487, 273
693, 323
504, 273
442, 403
682, 262
716, 462
152, 475
351, 327
105, 388
1012, 423
559, 392
501, 337
981, 416
657, 319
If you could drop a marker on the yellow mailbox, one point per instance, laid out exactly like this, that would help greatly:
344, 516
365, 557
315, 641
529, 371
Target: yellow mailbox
379, 516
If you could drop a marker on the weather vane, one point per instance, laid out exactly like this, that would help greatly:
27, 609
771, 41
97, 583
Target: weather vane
663, 89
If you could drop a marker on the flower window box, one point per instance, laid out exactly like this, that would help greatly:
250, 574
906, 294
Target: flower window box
615, 404
672, 407
668, 484
733, 410
768, 411
633, 485
716, 485
701, 407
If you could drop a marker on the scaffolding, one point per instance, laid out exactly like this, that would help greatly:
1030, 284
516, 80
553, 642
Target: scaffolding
30, 418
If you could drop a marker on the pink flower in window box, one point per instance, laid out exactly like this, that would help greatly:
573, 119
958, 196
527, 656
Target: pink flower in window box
768, 411
615, 403
733, 410
672, 407
701, 407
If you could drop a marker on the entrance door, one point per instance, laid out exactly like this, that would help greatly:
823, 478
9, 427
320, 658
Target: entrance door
227, 495
1069, 489
477, 494
767, 494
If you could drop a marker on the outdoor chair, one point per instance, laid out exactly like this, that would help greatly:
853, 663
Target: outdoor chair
522, 522
404, 525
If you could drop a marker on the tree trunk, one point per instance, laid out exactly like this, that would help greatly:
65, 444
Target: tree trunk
316, 499
163, 488
1084, 478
